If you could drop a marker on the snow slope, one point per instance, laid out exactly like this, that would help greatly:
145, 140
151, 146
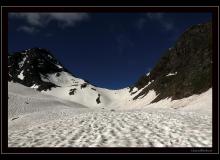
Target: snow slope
196, 103
41, 120
88, 94
85, 94
29, 107
120, 99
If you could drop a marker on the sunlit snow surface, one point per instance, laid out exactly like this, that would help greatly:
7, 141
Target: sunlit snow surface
21, 76
171, 74
40, 120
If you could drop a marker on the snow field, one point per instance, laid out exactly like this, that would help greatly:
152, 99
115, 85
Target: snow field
40, 120
119, 129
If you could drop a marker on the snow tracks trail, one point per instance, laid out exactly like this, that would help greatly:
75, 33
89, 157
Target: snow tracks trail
153, 128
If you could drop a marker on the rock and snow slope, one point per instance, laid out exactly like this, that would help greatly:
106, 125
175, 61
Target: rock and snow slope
32, 64
46, 121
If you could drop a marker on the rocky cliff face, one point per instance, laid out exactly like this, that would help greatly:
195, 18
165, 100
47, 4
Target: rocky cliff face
184, 70
27, 67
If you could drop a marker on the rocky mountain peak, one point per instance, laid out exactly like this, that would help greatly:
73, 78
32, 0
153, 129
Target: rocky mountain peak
27, 67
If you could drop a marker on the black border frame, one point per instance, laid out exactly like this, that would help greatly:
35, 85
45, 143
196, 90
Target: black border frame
215, 24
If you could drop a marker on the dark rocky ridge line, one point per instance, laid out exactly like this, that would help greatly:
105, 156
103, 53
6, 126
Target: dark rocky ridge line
190, 58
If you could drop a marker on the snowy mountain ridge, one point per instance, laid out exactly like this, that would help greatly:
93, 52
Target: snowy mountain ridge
33, 71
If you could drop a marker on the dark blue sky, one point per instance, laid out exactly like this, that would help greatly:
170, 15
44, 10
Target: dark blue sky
110, 50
